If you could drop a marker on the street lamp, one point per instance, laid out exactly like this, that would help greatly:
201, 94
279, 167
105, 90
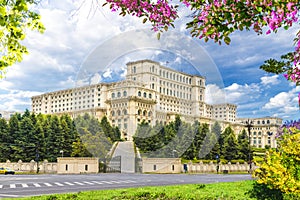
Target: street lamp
62, 153
174, 151
249, 126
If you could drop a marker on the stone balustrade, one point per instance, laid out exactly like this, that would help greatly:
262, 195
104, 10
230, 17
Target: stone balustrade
20, 166
212, 167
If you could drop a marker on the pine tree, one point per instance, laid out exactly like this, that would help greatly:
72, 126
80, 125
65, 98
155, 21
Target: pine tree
215, 138
230, 146
26, 140
13, 125
4, 141
243, 144
55, 138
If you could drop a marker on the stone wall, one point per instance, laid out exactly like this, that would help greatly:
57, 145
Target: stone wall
44, 166
77, 165
161, 165
212, 167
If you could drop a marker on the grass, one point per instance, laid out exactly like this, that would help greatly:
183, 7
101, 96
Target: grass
218, 191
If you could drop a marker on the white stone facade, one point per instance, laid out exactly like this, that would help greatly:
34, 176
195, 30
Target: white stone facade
150, 92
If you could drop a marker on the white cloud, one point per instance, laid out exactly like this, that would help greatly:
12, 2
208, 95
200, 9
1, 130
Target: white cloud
284, 102
14, 100
214, 94
270, 80
107, 73
96, 78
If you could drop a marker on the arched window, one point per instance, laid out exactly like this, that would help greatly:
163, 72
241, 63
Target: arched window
259, 133
113, 95
145, 94
119, 94
139, 93
139, 112
124, 93
119, 112
150, 95
144, 113
149, 114
134, 69
258, 122
124, 112
112, 113
268, 121
263, 122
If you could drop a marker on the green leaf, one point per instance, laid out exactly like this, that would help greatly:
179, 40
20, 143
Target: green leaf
158, 36
210, 31
227, 40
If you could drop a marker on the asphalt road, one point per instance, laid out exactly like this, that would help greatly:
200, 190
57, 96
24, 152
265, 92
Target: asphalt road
13, 186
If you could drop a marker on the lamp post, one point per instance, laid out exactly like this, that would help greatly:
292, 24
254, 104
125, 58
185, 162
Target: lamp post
62, 153
249, 126
174, 151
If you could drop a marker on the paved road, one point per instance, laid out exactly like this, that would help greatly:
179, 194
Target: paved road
126, 151
13, 186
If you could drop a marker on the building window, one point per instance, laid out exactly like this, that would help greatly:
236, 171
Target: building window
66, 167
145, 94
139, 112
150, 96
86, 167
124, 93
154, 167
119, 94
113, 95
119, 112
134, 70
112, 113
139, 93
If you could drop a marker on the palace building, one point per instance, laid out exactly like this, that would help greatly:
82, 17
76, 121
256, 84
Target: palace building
153, 93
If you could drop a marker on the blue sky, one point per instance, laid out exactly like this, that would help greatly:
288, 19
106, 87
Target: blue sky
79, 31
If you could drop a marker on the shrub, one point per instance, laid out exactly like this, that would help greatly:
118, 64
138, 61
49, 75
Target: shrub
281, 169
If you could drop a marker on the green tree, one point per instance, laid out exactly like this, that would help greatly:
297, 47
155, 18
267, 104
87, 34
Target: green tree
54, 139
25, 143
113, 133
214, 140
222, 138
201, 147
14, 126
79, 149
16, 17
243, 145
230, 146
4, 141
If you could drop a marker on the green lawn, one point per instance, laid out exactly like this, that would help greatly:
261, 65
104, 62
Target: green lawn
218, 191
